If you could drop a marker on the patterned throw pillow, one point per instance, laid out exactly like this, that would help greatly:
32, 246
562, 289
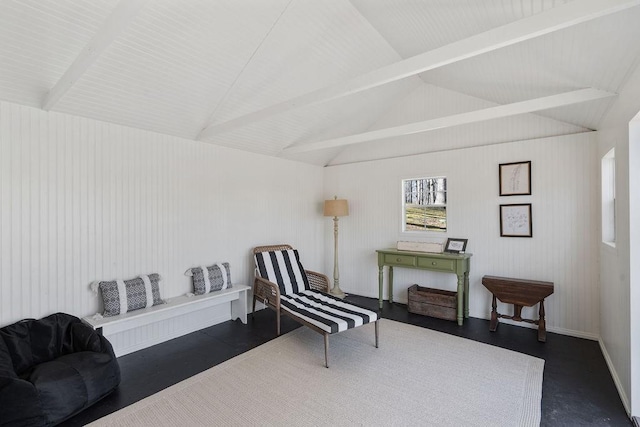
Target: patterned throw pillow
284, 269
218, 277
122, 296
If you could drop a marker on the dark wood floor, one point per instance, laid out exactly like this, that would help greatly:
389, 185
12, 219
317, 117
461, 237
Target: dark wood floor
577, 389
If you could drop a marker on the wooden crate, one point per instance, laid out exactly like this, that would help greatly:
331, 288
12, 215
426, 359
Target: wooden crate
433, 302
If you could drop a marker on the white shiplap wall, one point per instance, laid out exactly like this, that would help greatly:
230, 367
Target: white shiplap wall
620, 300
564, 247
83, 200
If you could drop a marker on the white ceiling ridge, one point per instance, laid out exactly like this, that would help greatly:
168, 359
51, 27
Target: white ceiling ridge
244, 67
398, 101
549, 21
490, 113
123, 14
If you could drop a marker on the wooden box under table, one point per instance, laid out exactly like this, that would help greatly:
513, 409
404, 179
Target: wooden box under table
432, 302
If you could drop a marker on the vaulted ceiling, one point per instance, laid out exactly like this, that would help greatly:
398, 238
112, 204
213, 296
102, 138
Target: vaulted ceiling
324, 82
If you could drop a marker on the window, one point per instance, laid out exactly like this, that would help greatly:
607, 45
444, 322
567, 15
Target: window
608, 171
424, 204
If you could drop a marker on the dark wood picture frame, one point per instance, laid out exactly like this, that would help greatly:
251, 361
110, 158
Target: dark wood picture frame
515, 178
516, 220
455, 246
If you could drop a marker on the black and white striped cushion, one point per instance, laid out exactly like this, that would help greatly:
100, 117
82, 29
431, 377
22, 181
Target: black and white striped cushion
325, 311
284, 269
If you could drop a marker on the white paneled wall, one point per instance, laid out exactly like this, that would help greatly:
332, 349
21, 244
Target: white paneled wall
83, 200
564, 247
619, 267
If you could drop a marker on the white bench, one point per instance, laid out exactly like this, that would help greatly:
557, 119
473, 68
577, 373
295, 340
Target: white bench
176, 306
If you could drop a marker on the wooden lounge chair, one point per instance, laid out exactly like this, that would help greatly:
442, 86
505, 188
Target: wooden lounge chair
282, 284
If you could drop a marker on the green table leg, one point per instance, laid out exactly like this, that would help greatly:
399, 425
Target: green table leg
460, 311
466, 294
380, 269
390, 285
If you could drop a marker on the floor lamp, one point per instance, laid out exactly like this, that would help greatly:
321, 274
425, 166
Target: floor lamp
336, 208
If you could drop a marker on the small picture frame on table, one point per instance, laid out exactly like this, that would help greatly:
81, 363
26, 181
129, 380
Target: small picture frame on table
515, 220
515, 178
455, 246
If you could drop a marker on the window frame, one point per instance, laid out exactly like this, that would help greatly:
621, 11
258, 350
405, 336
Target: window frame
403, 222
608, 198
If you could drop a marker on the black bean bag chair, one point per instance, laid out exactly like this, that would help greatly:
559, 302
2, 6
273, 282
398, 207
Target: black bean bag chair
51, 369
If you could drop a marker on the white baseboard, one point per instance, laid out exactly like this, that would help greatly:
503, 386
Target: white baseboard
561, 331
616, 379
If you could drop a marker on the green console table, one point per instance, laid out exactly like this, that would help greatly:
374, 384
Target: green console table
458, 264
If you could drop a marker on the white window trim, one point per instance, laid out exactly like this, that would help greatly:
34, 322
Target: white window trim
608, 200
423, 233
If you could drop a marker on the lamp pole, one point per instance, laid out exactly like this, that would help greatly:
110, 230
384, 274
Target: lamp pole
336, 272
336, 208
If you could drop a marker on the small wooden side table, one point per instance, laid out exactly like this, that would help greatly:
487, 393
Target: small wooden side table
520, 293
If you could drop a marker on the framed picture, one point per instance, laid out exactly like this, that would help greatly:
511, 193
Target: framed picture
515, 220
515, 179
455, 246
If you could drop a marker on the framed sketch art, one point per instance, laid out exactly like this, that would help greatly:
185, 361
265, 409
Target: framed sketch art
515, 220
515, 179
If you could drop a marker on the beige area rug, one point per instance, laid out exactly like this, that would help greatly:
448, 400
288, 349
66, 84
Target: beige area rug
416, 377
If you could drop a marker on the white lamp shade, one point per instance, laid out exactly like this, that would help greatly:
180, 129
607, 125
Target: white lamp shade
336, 207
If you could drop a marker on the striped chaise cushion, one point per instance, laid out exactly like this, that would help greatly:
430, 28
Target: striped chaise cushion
284, 269
325, 311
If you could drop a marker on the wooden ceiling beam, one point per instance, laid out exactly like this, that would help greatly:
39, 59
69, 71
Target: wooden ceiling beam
501, 111
122, 15
538, 25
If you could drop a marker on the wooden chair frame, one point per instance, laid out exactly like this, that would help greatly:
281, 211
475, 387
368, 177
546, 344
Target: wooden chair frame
268, 293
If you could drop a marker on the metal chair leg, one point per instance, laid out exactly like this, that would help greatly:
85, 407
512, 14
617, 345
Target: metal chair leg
253, 310
326, 349
377, 332
278, 321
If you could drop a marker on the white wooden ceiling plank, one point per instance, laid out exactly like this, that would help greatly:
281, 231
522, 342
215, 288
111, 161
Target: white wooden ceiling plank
47, 13
595, 54
211, 113
120, 18
355, 115
39, 40
538, 104
170, 65
414, 27
346, 116
552, 20
315, 44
